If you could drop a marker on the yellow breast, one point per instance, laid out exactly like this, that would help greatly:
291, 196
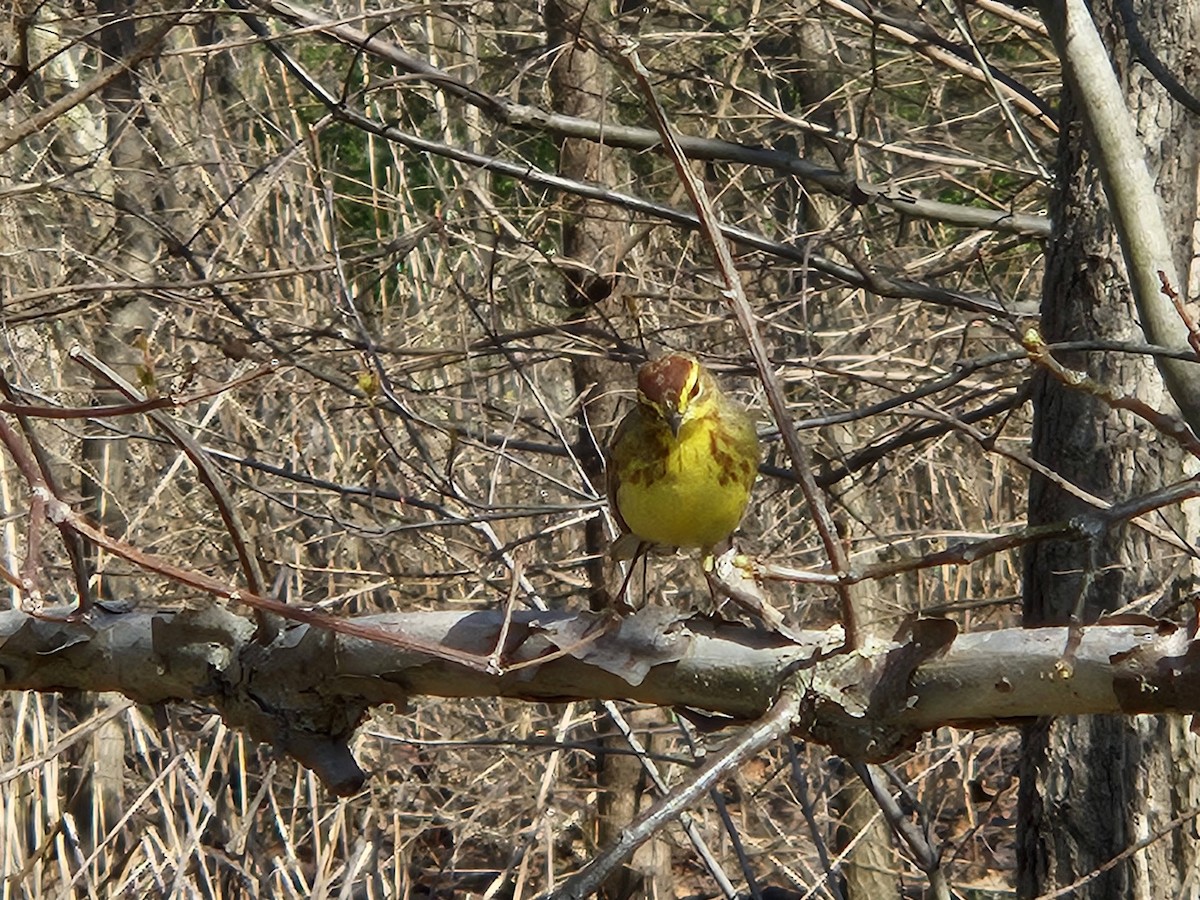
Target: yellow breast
689, 491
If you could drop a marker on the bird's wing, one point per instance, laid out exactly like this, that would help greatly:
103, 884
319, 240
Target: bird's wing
619, 451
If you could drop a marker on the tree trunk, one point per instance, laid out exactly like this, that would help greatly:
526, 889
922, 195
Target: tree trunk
133, 251
592, 234
1093, 787
133, 248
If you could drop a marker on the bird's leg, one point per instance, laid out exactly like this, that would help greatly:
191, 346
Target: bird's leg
620, 603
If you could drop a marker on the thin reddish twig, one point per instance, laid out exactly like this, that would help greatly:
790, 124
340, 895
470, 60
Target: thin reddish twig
1180, 307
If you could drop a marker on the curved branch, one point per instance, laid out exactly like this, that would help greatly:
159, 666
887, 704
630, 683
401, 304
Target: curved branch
1136, 210
871, 280
1148, 58
853, 190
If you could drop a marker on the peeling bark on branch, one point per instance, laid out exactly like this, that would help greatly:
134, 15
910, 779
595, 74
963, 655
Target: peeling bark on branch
307, 690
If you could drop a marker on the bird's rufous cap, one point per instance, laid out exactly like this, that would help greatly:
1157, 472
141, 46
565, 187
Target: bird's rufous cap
663, 381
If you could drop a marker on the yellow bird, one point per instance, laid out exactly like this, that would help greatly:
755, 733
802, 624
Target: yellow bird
682, 462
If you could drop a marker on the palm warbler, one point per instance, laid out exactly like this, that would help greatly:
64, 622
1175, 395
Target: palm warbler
682, 462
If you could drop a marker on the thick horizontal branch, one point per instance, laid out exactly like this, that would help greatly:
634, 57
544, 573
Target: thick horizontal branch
307, 690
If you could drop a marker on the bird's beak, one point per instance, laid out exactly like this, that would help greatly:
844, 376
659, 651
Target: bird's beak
675, 421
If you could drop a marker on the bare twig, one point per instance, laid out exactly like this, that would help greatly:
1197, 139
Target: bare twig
1167, 425
884, 285
690, 828
735, 295
1068, 890
966, 552
917, 840
39, 488
494, 664
71, 524
751, 741
76, 552
61, 514
929, 43
1136, 209
115, 69
243, 541
816, 833
989, 75
1181, 308
615, 134
134, 407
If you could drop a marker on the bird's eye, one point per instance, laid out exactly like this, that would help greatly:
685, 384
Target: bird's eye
695, 391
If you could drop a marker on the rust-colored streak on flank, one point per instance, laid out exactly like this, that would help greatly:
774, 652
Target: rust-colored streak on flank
649, 467
663, 380
728, 464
